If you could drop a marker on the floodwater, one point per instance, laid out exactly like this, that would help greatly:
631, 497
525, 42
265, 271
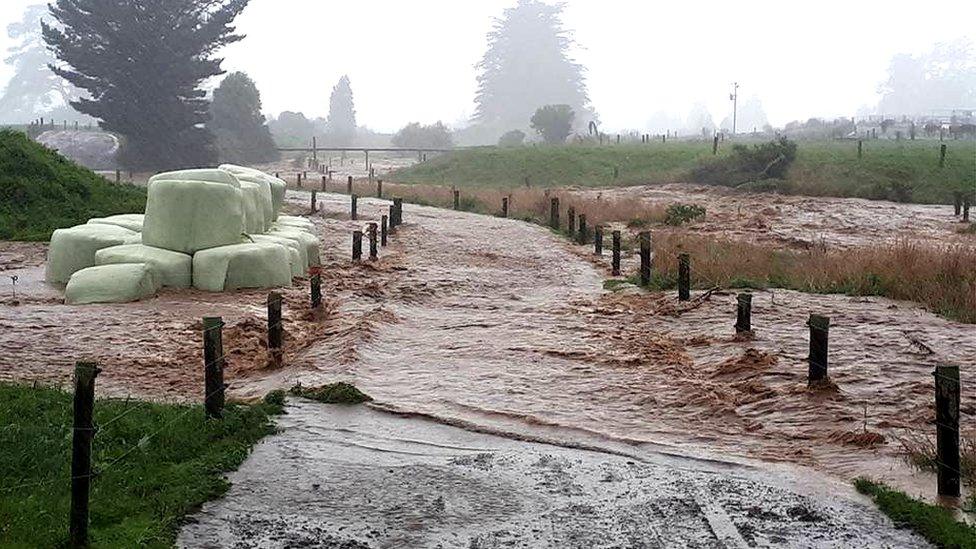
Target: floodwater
800, 221
500, 326
345, 477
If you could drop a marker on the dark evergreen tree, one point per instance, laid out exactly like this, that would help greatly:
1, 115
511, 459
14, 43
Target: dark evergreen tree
142, 63
341, 124
527, 64
237, 123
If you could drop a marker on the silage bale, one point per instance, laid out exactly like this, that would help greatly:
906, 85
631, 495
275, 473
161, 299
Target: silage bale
133, 222
298, 255
253, 209
118, 283
134, 239
209, 175
74, 248
190, 215
306, 239
295, 221
172, 269
275, 185
250, 265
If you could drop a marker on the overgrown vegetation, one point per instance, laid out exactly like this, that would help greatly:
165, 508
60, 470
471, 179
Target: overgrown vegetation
920, 452
770, 160
934, 523
679, 214
41, 191
155, 464
890, 170
332, 393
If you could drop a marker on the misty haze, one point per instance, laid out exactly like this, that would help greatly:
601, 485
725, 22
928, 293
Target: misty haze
485, 274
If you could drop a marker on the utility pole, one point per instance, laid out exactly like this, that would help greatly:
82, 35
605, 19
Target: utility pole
734, 96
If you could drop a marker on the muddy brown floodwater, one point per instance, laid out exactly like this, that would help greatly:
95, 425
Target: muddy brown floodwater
500, 326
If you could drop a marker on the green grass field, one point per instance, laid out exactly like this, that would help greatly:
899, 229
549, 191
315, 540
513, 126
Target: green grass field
155, 463
934, 523
826, 168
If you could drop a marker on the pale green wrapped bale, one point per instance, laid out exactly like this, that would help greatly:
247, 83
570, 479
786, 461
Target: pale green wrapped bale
171, 269
292, 221
251, 265
298, 256
74, 249
306, 239
275, 185
253, 210
134, 239
119, 283
133, 222
210, 175
187, 216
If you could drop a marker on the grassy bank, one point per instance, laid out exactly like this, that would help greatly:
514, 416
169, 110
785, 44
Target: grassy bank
935, 524
41, 191
888, 169
155, 463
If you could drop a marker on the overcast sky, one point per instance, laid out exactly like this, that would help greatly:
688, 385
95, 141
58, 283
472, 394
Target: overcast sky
414, 60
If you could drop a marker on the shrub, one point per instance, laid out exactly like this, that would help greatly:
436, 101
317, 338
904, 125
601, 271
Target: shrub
434, 136
679, 214
514, 138
745, 164
553, 122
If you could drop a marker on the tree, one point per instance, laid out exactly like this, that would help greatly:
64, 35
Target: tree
700, 121
750, 117
237, 123
414, 135
527, 64
942, 79
553, 122
34, 90
513, 138
341, 124
142, 62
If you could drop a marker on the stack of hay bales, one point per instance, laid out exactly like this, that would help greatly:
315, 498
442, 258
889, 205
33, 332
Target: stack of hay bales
212, 229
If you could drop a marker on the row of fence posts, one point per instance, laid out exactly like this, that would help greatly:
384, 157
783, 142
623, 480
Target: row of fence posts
377, 233
947, 387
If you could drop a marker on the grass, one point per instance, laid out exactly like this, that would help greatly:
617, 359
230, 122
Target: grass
177, 462
934, 523
41, 191
332, 393
906, 170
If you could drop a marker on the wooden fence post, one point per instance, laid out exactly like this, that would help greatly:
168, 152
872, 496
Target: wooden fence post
357, 245
819, 332
615, 261
715, 145
353, 200
645, 258
323, 183
598, 240
313, 200
298, 179
554, 213
379, 188
392, 218
947, 429
383, 230
349, 185
316, 287
942, 155
860, 148
684, 277
582, 229
743, 313
213, 366
275, 327
81, 452
504, 206
957, 202
965, 210
398, 204
373, 252
118, 176
571, 221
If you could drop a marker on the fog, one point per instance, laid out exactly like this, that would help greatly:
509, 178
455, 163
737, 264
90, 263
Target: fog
415, 61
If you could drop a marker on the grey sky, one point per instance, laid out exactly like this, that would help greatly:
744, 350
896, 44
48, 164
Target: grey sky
414, 61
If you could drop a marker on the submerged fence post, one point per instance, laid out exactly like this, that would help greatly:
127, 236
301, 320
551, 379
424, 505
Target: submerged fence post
213, 366
743, 313
554, 213
615, 261
684, 277
349, 185
353, 199
316, 287
81, 452
571, 221
357, 245
373, 252
457, 199
504, 206
313, 200
383, 229
645, 258
598, 240
965, 210
581, 237
819, 331
392, 218
957, 202
947, 428
275, 328
379, 188
398, 206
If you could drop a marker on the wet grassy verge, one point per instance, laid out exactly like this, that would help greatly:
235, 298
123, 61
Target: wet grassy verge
154, 464
934, 523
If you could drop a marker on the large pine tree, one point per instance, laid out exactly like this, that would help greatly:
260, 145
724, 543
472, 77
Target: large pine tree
237, 123
527, 66
142, 63
341, 125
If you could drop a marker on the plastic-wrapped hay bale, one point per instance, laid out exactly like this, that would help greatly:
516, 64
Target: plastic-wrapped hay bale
209, 175
294, 221
251, 265
170, 268
74, 249
275, 185
253, 210
305, 239
188, 215
133, 222
298, 256
134, 239
119, 283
